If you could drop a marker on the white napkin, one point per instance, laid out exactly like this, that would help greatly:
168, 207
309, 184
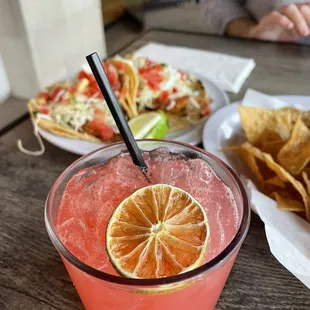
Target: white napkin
257, 99
226, 71
288, 234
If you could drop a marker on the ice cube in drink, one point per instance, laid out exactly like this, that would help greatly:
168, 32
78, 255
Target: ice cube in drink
92, 194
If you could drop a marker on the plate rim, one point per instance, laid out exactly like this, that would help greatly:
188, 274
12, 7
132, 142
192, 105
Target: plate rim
233, 107
190, 134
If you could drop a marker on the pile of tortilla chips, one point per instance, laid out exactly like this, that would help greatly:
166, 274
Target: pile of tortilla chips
277, 152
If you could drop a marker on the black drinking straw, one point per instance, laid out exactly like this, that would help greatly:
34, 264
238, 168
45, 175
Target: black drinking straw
116, 111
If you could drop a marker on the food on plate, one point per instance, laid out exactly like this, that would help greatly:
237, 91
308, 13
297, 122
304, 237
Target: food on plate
277, 152
146, 90
67, 110
294, 155
152, 125
288, 204
119, 72
262, 125
181, 95
78, 110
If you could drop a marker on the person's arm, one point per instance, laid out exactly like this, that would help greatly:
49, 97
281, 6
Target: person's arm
241, 27
288, 23
220, 13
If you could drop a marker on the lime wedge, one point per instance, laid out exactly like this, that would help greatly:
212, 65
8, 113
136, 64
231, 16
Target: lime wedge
160, 129
142, 124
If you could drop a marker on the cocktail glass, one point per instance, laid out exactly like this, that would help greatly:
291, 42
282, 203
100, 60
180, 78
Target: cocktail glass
198, 289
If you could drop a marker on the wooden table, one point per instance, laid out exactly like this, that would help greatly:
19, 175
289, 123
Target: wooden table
32, 275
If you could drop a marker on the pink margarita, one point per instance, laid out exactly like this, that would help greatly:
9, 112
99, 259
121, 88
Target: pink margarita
88, 199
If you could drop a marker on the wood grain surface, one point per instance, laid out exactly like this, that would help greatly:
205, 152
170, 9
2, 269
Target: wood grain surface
32, 275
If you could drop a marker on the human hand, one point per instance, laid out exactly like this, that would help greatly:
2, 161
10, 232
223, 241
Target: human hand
289, 24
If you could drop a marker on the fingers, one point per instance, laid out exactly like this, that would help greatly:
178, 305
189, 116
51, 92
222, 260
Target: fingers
296, 16
277, 18
305, 10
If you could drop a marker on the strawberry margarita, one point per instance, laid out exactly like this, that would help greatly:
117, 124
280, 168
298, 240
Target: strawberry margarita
84, 198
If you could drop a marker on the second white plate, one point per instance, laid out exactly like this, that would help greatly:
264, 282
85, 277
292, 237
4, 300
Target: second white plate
223, 128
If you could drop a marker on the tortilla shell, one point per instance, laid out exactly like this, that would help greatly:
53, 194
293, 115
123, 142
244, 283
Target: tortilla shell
177, 122
59, 130
129, 100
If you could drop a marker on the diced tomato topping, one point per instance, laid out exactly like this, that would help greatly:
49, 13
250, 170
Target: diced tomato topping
153, 78
112, 74
149, 63
120, 66
44, 95
105, 132
152, 73
112, 77
93, 88
55, 93
83, 75
143, 70
99, 94
158, 67
99, 114
72, 90
164, 95
174, 90
92, 81
106, 66
43, 98
88, 93
153, 84
43, 110
93, 124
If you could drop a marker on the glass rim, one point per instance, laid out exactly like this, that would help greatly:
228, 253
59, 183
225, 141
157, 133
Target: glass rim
207, 267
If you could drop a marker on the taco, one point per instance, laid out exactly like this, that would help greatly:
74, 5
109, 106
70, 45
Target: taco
128, 75
78, 110
123, 79
181, 95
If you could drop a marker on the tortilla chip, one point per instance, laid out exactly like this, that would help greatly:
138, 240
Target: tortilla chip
295, 113
288, 204
266, 172
295, 154
261, 125
307, 170
272, 147
275, 181
282, 174
307, 181
249, 159
305, 116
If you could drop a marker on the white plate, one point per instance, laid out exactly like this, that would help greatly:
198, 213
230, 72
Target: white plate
223, 128
192, 135
287, 233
